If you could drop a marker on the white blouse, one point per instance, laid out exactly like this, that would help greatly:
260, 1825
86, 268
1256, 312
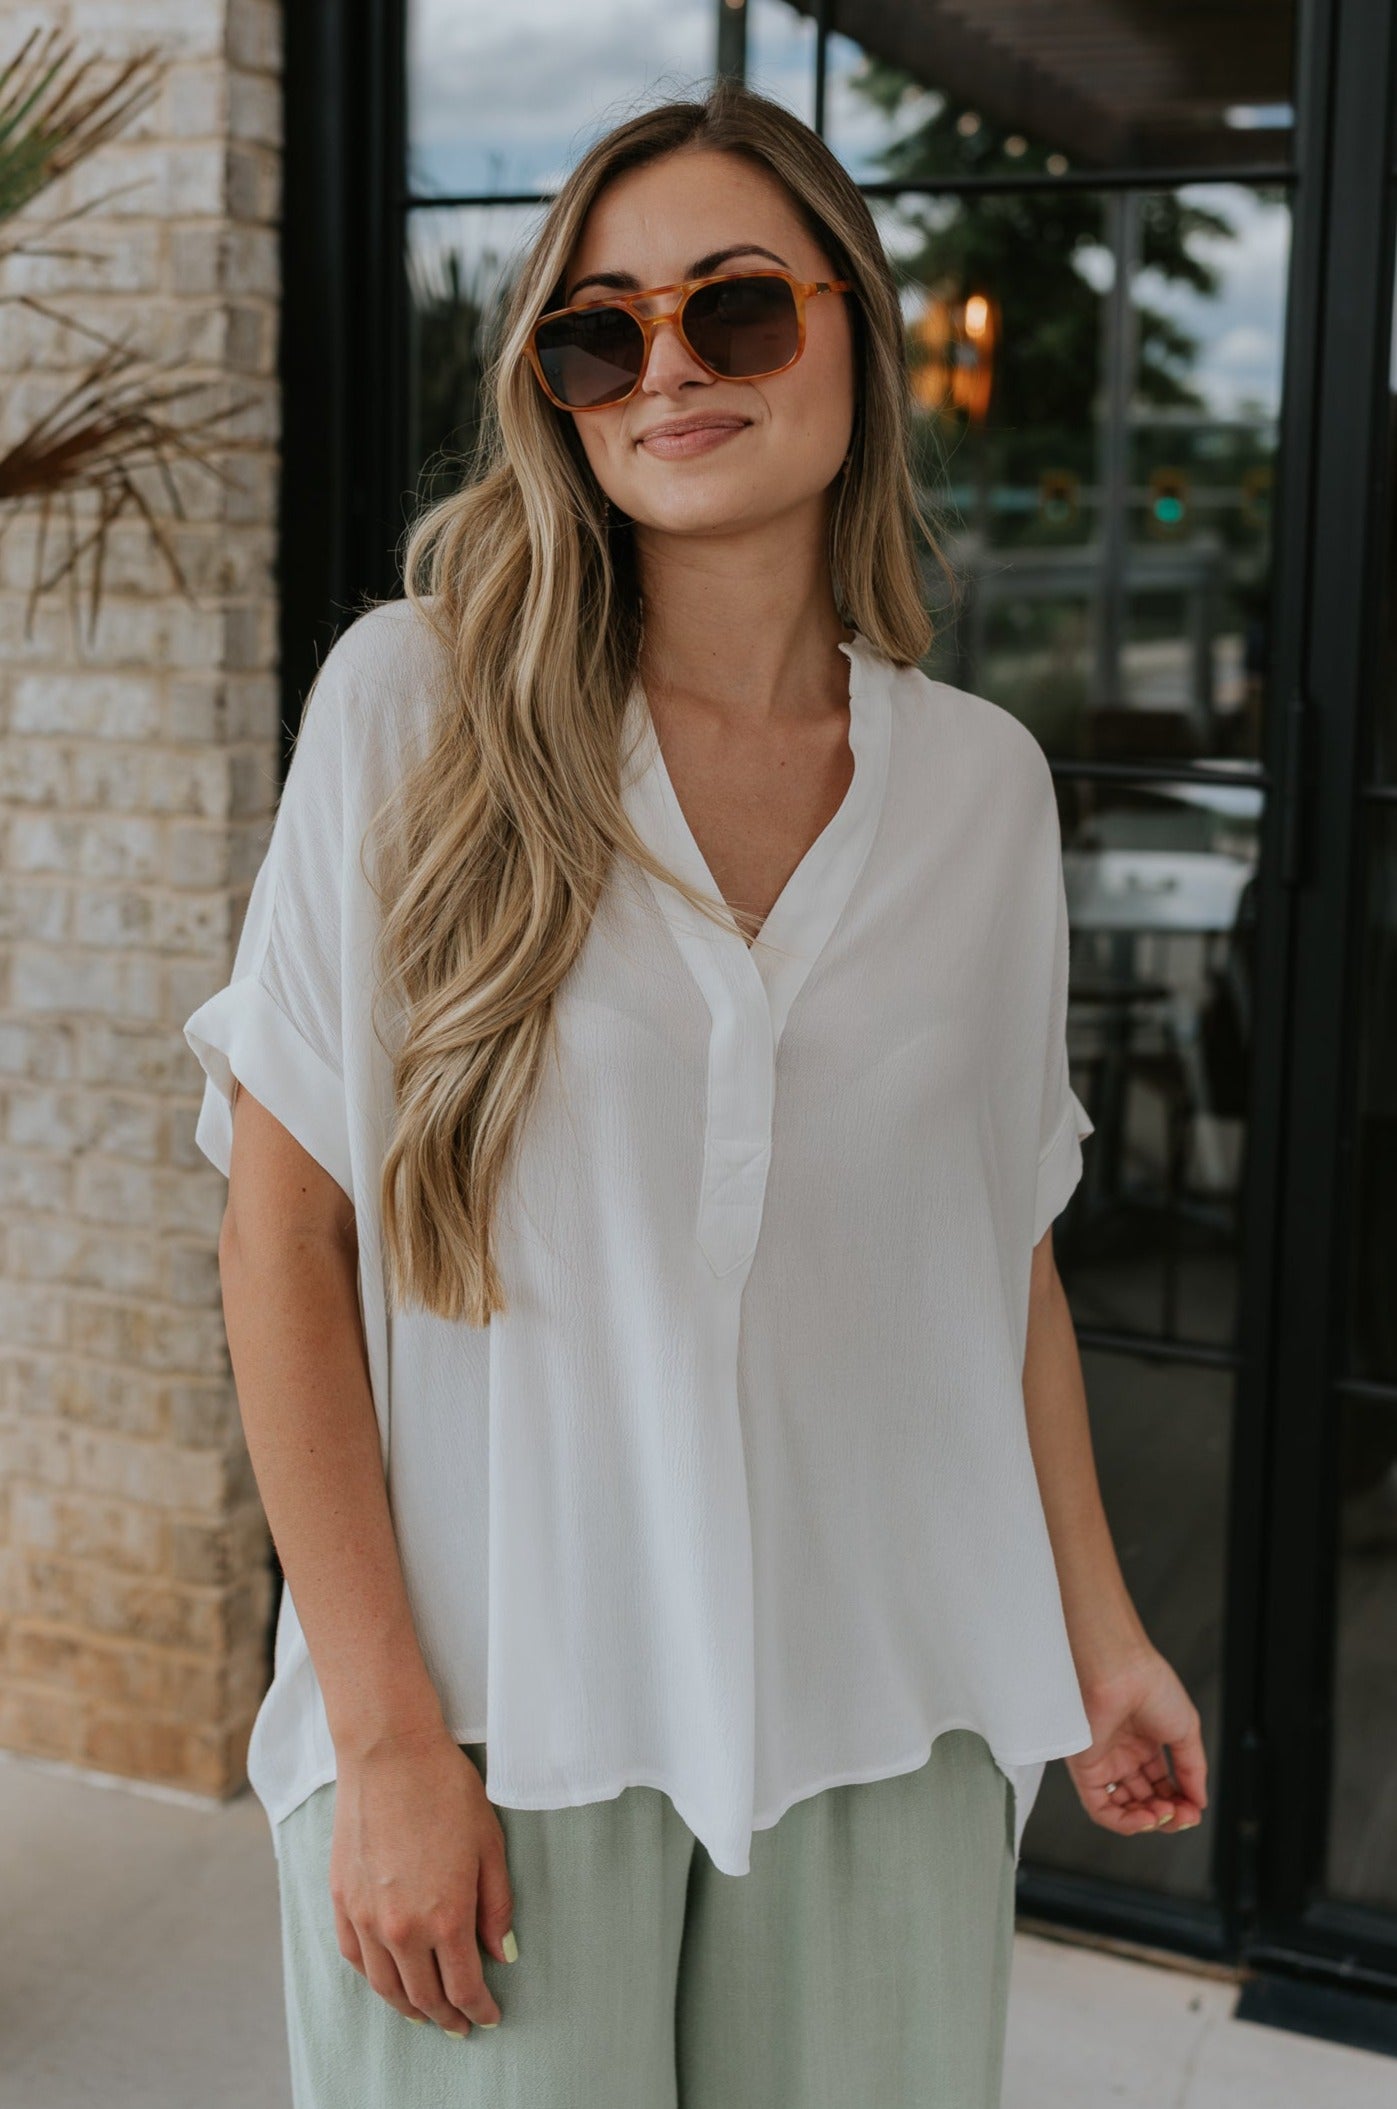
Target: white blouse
737, 1499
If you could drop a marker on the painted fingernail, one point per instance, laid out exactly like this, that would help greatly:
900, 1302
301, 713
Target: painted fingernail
509, 1947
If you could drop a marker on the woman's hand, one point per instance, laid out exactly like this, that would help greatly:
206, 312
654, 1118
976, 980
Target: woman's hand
1134, 1710
417, 1870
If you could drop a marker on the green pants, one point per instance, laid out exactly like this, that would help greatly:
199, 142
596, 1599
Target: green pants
864, 1958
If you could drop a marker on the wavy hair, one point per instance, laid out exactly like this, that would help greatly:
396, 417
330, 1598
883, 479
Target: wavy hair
493, 850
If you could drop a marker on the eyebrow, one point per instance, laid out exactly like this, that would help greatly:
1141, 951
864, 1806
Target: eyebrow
623, 282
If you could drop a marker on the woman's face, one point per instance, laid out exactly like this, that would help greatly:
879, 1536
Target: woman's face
690, 214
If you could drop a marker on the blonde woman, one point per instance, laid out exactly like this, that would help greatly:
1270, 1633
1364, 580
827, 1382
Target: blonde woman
647, 1040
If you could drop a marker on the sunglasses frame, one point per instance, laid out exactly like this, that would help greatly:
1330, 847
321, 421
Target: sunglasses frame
803, 289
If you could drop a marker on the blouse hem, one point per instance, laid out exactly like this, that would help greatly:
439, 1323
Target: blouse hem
863, 1776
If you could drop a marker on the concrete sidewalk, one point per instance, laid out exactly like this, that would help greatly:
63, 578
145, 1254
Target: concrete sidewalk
140, 1968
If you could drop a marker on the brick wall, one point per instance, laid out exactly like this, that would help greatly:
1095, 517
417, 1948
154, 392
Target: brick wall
139, 778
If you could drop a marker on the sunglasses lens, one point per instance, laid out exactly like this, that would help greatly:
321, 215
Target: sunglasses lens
742, 326
591, 358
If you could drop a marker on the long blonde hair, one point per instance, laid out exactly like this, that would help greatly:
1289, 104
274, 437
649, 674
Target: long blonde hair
493, 852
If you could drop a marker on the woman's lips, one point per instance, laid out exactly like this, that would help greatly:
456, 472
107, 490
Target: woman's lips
699, 439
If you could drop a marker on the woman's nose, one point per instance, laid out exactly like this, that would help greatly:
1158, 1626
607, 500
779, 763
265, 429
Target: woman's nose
669, 359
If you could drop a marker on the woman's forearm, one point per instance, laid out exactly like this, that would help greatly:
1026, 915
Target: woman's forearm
296, 1338
1102, 1623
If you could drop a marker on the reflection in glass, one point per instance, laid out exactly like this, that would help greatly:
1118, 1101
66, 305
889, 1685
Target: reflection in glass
1161, 897
504, 99
1363, 1793
992, 86
459, 263
1098, 389
1372, 1270
1161, 1435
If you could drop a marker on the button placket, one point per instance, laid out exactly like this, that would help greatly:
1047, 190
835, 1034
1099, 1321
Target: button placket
749, 999
741, 1098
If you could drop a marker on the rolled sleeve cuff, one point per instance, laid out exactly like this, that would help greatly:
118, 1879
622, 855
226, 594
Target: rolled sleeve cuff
1060, 1164
240, 1032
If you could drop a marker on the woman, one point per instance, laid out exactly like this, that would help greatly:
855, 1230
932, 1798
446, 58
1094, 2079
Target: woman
650, 1026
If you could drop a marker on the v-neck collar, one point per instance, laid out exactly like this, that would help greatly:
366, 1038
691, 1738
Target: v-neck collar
805, 912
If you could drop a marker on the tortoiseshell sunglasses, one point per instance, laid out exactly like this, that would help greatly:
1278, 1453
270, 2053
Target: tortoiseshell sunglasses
740, 326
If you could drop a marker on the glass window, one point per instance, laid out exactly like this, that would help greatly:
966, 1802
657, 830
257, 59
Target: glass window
503, 100
1162, 1436
459, 263
781, 55
994, 87
1099, 387
1161, 894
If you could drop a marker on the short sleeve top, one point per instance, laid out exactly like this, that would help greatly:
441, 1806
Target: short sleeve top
736, 1500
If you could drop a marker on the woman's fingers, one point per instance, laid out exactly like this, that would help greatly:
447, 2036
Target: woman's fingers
430, 1969
495, 1902
463, 1980
1191, 1768
1124, 1813
348, 1938
381, 1970
446, 1984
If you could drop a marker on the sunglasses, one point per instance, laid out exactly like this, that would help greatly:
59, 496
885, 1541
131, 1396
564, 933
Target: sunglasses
743, 326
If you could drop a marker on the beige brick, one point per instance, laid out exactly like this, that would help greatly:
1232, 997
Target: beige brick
195, 709
120, 985
123, 916
191, 1274
135, 1579
196, 103
182, 28
218, 1555
38, 772
33, 1316
254, 35
253, 177
202, 1416
119, 1535
68, 1120
255, 108
32, 1184
42, 913
148, 1336
117, 1054
46, 1721
61, 1252
99, 704
36, 1048
71, 1392
193, 922
146, 1747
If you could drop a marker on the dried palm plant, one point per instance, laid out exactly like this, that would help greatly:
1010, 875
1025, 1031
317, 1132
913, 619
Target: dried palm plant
111, 428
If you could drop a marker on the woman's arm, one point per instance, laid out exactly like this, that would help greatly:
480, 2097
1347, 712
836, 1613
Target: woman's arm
1133, 1699
288, 1262
419, 1853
